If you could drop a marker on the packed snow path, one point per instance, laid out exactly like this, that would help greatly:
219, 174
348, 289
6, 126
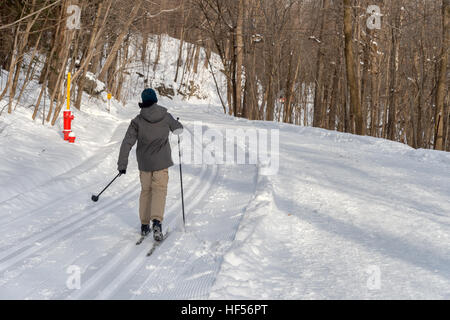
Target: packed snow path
345, 217
66, 229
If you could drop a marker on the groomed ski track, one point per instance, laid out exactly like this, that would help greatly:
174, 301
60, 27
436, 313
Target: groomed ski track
183, 267
340, 210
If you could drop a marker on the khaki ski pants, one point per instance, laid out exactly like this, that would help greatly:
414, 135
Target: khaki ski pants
153, 195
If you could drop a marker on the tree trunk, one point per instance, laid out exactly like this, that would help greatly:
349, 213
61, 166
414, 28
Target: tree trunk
442, 80
352, 77
290, 86
239, 57
394, 66
331, 125
180, 50
318, 93
196, 58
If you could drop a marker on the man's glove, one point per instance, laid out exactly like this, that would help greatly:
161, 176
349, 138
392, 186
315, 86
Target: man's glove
123, 172
178, 131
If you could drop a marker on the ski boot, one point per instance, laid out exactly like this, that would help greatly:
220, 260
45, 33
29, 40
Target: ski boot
145, 230
157, 230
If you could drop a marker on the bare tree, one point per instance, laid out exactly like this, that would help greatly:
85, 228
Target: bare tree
442, 84
352, 77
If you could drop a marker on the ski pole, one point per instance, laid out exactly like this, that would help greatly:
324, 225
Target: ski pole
95, 197
181, 180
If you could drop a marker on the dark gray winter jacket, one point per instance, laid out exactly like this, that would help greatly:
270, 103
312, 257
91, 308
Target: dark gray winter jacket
151, 130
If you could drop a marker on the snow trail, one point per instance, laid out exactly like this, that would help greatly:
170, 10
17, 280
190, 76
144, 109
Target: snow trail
341, 210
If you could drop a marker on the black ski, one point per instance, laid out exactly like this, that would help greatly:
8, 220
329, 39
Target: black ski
156, 244
141, 239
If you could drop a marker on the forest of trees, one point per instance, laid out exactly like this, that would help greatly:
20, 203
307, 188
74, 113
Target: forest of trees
377, 73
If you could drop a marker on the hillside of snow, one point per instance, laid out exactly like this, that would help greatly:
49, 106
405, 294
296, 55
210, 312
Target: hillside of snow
196, 87
342, 217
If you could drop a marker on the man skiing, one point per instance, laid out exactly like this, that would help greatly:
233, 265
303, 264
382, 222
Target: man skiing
151, 130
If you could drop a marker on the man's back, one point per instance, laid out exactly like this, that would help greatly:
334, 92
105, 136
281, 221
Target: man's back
151, 129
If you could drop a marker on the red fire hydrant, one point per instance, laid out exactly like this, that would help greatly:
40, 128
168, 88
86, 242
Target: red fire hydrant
72, 137
68, 117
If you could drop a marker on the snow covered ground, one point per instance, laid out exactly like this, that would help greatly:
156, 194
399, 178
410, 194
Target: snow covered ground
344, 217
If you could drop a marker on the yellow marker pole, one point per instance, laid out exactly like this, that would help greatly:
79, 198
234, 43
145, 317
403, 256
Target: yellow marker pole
109, 96
68, 91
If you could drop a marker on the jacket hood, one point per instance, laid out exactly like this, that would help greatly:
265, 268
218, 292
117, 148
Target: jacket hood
153, 114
